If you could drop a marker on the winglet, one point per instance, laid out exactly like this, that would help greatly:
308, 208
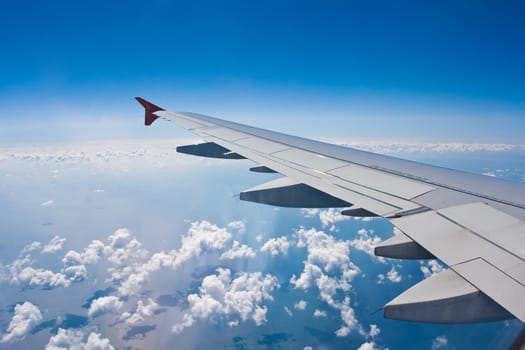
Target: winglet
150, 109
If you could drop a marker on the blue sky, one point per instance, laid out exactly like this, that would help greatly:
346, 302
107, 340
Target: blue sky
442, 70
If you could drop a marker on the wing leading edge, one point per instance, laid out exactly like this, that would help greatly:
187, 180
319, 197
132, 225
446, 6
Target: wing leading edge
475, 224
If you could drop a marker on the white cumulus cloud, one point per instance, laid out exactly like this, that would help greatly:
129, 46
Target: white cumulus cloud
202, 237
25, 318
328, 267
234, 299
374, 331
238, 251
430, 268
367, 242
104, 305
54, 245
393, 275
31, 247
331, 216
46, 203
74, 339
276, 246
300, 305
238, 226
143, 311
319, 313
368, 346
41, 278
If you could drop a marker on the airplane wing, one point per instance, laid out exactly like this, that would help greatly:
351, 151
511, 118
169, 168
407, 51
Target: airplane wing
475, 224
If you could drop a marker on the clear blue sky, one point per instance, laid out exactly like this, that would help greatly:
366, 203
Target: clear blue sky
451, 70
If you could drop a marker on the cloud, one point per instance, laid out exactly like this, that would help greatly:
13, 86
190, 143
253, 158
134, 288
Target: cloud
300, 305
328, 267
123, 248
41, 278
238, 299
431, 268
374, 331
309, 213
104, 305
75, 273
25, 318
107, 154
393, 275
46, 203
368, 346
288, 311
202, 237
367, 242
238, 226
319, 313
31, 247
440, 342
54, 245
143, 311
74, 339
331, 216
237, 251
90, 255
276, 246
392, 147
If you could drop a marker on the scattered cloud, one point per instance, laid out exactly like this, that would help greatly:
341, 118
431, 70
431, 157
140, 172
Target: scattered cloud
238, 251
31, 247
319, 313
143, 311
276, 246
46, 203
288, 311
103, 305
90, 255
368, 346
54, 245
366, 242
440, 342
259, 237
234, 299
238, 226
202, 237
374, 331
393, 275
40, 278
331, 216
25, 318
430, 268
300, 305
74, 339
329, 269
309, 212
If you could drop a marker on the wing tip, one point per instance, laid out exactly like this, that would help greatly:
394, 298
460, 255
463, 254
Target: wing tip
150, 108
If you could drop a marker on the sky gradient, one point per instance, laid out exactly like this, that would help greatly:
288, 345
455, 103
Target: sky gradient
434, 70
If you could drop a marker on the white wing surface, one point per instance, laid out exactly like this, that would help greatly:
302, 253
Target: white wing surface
475, 224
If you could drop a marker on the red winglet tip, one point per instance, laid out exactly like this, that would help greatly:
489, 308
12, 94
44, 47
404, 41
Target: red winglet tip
150, 108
